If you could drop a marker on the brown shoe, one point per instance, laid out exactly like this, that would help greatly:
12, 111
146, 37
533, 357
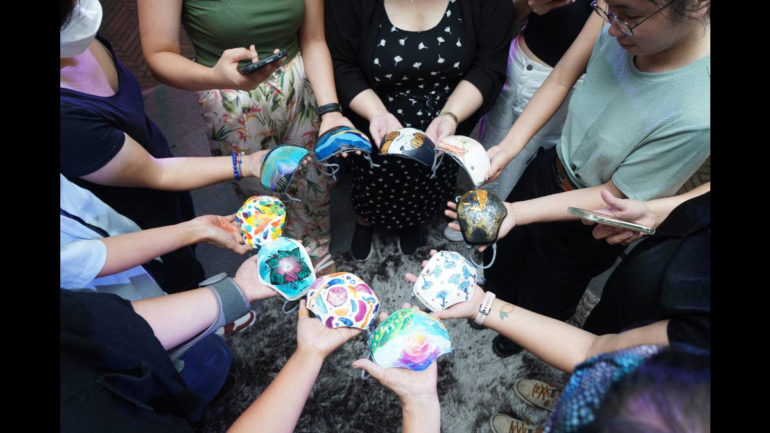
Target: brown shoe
537, 393
325, 265
502, 423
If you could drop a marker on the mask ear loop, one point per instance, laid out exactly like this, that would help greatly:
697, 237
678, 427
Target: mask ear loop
369, 158
364, 374
436, 163
494, 255
293, 309
334, 169
290, 197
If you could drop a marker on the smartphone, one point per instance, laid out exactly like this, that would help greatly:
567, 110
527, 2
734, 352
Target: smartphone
610, 220
261, 63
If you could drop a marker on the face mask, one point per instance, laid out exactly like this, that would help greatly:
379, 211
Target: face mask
285, 266
341, 139
469, 153
410, 143
279, 166
81, 29
409, 339
480, 214
447, 279
261, 219
343, 299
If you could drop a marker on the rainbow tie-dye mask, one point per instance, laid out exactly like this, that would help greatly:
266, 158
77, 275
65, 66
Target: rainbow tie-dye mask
410, 143
343, 299
469, 153
285, 266
447, 279
279, 166
409, 339
261, 219
480, 214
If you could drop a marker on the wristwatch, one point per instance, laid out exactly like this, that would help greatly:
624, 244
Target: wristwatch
328, 108
484, 308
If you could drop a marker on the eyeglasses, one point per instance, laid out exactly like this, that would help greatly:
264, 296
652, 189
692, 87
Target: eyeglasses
624, 27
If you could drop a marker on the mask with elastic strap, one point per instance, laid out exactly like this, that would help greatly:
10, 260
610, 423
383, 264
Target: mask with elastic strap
409, 143
279, 166
78, 33
480, 214
261, 219
447, 279
469, 153
284, 265
409, 339
338, 140
343, 299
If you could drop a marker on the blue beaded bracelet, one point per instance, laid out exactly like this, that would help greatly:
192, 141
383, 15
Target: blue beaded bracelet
236, 171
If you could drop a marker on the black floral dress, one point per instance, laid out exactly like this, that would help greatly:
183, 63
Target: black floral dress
416, 72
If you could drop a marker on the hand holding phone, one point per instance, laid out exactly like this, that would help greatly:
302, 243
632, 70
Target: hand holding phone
610, 220
261, 63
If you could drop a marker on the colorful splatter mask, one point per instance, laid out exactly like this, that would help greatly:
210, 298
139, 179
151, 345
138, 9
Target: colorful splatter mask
279, 166
447, 279
338, 140
409, 142
285, 266
480, 214
261, 219
343, 299
469, 153
409, 339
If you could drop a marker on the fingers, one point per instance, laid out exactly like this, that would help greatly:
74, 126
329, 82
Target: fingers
454, 226
616, 239
303, 312
451, 205
254, 55
410, 277
370, 367
237, 54
382, 316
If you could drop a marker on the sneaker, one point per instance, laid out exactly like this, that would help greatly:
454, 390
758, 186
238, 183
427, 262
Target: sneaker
409, 239
504, 347
452, 235
361, 246
502, 423
239, 325
537, 393
325, 265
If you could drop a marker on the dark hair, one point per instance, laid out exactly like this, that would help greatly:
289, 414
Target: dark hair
679, 8
669, 392
65, 11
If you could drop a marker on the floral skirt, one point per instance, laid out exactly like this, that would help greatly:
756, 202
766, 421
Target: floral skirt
281, 110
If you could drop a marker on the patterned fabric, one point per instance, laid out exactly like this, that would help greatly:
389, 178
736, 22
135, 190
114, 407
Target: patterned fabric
417, 71
280, 110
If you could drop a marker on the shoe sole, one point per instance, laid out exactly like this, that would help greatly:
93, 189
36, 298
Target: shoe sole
527, 399
503, 355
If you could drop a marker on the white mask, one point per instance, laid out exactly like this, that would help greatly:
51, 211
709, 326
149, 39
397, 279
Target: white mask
81, 29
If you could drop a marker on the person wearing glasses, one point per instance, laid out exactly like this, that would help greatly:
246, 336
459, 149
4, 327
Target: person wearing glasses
638, 126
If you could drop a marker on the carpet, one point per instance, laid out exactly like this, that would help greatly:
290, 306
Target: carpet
473, 383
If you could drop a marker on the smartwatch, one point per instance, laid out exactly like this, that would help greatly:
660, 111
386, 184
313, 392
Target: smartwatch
328, 108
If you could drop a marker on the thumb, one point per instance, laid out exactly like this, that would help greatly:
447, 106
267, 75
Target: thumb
370, 367
236, 54
617, 203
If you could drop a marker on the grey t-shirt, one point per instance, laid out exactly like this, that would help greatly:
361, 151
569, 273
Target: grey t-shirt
648, 132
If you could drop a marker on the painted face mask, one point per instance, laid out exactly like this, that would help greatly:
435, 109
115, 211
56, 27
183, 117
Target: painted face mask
409, 142
469, 153
447, 279
285, 266
480, 214
409, 339
279, 166
343, 299
80, 30
338, 140
261, 219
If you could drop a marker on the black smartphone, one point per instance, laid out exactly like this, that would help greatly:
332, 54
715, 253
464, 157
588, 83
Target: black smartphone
261, 63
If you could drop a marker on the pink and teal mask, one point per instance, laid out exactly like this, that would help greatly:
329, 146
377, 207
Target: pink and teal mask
285, 266
261, 219
409, 339
279, 166
447, 279
343, 299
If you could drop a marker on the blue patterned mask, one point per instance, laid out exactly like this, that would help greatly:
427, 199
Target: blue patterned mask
338, 140
447, 279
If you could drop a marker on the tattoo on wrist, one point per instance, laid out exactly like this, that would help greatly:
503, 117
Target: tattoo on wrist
505, 310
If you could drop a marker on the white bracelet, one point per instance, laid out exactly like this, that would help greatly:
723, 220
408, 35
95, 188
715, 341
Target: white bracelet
484, 309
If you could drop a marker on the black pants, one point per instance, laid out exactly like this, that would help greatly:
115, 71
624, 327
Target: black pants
546, 267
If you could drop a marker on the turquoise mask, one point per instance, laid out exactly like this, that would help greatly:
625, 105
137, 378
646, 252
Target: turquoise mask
279, 166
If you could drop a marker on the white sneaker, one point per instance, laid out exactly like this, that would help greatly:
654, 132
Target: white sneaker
452, 235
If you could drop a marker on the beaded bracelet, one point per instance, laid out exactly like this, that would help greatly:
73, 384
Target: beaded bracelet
240, 161
236, 171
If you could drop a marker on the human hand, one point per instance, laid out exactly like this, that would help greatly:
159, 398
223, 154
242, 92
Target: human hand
252, 163
382, 123
509, 222
330, 120
542, 7
221, 231
314, 338
628, 210
499, 157
247, 278
226, 75
440, 127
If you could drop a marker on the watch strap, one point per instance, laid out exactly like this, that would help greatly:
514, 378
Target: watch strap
484, 308
328, 108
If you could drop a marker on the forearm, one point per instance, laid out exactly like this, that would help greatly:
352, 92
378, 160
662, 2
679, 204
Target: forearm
421, 415
175, 70
553, 207
366, 104
132, 249
318, 67
278, 408
187, 173
179, 317
464, 100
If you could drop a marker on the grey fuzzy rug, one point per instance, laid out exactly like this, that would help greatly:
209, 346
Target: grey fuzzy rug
473, 383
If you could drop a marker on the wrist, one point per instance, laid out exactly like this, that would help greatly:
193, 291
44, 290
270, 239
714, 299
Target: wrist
332, 107
450, 115
419, 402
309, 354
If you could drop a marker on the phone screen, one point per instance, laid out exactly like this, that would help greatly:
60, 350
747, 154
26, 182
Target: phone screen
609, 220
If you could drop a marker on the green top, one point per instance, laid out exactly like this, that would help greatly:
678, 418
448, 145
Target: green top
216, 25
648, 132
